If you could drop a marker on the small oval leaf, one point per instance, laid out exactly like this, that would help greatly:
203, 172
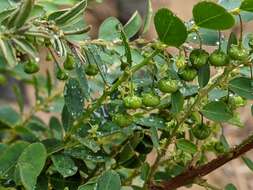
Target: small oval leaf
212, 16
217, 111
170, 29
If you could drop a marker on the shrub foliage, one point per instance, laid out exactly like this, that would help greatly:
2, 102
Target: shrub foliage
114, 100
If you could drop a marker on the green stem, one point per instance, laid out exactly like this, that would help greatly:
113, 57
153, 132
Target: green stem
202, 93
107, 91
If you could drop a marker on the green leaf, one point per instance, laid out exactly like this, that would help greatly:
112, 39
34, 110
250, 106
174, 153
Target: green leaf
26, 47
145, 170
30, 164
242, 86
231, 40
56, 128
170, 29
8, 52
151, 121
217, 111
9, 157
74, 98
148, 17
248, 162
9, 117
230, 187
19, 97
64, 165
81, 77
186, 146
212, 16
177, 101
66, 117
126, 153
224, 141
208, 37
133, 26
110, 180
247, 5
23, 13
109, 29
49, 84
204, 75
89, 186
154, 137
71, 14
127, 48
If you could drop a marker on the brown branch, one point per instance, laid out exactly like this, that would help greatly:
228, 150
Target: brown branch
191, 174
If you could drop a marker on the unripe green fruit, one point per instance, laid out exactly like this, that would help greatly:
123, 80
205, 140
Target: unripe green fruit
237, 101
91, 69
31, 67
188, 74
69, 63
219, 147
150, 100
219, 58
132, 102
236, 52
168, 85
198, 58
181, 62
201, 131
61, 75
122, 120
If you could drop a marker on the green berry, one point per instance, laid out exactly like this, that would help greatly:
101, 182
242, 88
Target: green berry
122, 120
219, 147
237, 52
132, 102
219, 58
237, 101
91, 69
181, 62
31, 67
198, 58
61, 75
201, 131
69, 63
188, 74
150, 100
168, 85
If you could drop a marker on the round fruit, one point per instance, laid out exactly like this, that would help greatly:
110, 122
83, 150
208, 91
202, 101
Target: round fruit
150, 100
31, 67
201, 131
69, 63
188, 74
168, 85
198, 58
61, 75
219, 58
181, 62
132, 102
219, 147
237, 101
122, 120
237, 52
91, 69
